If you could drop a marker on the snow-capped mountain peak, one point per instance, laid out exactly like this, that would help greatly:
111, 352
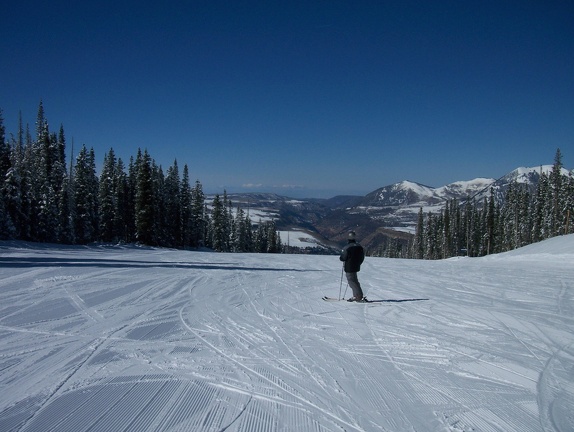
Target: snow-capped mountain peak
406, 193
530, 175
399, 194
463, 188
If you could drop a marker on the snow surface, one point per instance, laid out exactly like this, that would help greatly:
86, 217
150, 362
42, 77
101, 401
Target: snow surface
300, 239
139, 339
523, 174
419, 189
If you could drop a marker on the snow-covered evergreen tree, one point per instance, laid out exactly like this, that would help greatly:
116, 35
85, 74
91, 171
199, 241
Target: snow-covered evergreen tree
13, 185
273, 238
7, 229
124, 212
558, 205
85, 197
27, 186
107, 198
62, 184
238, 240
218, 228
185, 209
417, 251
49, 189
540, 210
39, 190
514, 217
5, 161
160, 236
131, 199
569, 204
172, 196
198, 223
144, 199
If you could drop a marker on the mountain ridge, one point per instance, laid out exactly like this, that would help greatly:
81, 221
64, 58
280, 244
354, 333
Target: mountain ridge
387, 212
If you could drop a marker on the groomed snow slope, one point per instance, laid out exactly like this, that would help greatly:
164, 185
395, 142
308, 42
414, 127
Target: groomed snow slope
136, 339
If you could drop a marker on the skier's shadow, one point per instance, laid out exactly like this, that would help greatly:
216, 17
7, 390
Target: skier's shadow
398, 300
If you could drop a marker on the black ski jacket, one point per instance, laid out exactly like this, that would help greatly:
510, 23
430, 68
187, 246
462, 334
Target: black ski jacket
353, 255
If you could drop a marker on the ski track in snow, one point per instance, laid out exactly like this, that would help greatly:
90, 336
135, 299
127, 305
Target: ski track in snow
125, 339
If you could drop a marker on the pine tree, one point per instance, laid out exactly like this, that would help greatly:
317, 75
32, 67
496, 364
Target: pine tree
508, 217
7, 229
123, 213
227, 221
418, 243
457, 231
107, 198
489, 224
199, 221
27, 201
131, 198
466, 226
514, 218
477, 230
49, 182
524, 217
271, 235
62, 185
39, 193
248, 240
218, 229
160, 236
185, 209
234, 233
273, 238
85, 197
13, 185
430, 236
557, 216
5, 162
446, 234
260, 238
173, 207
144, 195
240, 243
569, 204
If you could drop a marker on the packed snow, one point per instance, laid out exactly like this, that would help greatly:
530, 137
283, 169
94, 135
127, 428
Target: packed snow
112, 338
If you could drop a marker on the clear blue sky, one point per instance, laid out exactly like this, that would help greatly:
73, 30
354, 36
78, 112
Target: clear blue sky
304, 98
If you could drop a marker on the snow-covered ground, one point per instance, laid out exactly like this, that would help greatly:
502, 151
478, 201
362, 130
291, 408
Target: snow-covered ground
138, 339
300, 239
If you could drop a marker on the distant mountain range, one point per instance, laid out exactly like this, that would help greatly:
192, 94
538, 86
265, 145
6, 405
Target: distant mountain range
388, 212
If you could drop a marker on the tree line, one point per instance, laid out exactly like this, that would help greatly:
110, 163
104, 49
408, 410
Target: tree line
42, 199
478, 228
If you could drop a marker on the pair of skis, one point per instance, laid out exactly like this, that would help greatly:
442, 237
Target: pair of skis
333, 299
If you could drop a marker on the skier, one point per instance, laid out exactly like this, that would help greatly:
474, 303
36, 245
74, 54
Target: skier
353, 256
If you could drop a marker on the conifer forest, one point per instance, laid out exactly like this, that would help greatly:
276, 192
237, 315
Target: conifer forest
524, 215
45, 200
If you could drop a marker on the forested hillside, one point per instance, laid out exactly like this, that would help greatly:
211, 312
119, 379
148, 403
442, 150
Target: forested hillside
42, 199
481, 228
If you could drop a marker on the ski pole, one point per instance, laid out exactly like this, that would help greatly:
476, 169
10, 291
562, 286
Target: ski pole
341, 284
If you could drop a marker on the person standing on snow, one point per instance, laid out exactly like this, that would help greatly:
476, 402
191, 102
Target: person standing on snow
353, 256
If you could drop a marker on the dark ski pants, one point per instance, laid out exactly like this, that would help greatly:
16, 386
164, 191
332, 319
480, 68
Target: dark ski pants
354, 284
